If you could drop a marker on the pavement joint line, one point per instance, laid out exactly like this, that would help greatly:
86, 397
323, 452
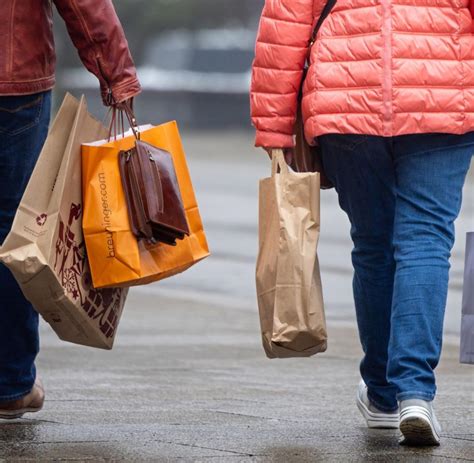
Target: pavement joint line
449, 457
286, 420
242, 454
32, 442
40, 420
447, 436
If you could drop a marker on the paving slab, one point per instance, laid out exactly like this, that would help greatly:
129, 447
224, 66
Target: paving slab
189, 382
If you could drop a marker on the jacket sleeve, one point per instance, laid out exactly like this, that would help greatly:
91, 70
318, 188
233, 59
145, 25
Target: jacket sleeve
99, 38
282, 45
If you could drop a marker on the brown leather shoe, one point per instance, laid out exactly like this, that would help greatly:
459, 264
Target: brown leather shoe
31, 403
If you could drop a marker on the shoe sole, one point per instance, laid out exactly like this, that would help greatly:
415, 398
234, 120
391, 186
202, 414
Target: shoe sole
417, 429
15, 415
377, 420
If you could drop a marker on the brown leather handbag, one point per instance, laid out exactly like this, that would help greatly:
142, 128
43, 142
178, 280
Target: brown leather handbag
307, 157
152, 193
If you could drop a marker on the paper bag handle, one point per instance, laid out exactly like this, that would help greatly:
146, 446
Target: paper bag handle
278, 161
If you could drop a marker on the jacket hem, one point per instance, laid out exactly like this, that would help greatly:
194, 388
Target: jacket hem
27, 87
373, 126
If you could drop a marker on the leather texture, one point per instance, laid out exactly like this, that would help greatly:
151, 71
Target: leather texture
32, 402
27, 56
378, 67
152, 194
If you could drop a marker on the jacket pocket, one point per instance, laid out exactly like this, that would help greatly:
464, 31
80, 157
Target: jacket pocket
20, 113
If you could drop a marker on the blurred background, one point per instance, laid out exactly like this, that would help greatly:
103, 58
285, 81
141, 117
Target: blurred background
194, 59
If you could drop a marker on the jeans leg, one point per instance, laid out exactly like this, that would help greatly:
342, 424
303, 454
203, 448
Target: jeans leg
429, 196
361, 168
24, 123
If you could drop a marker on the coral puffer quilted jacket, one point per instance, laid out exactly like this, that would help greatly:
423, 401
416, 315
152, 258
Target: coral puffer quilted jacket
378, 67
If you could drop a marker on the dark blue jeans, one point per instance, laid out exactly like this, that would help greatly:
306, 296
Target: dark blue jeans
402, 196
24, 124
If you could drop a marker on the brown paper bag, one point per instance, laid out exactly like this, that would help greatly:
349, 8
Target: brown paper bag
45, 249
288, 278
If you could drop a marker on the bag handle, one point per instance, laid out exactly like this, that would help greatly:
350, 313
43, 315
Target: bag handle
278, 161
117, 119
324, 14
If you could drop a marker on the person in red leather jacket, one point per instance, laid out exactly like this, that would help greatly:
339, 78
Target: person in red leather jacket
27, 66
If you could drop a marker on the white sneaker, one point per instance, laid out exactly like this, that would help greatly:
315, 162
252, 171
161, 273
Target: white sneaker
374, 417
418, 423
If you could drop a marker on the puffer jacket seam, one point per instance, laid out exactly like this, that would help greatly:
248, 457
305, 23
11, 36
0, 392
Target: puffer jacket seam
285, 21
380, 59
396, 112
352, 8
436, 7
272, 93
267, 68
362, 34
275, 44
429, 34
274, 131
349, 60
432, 59
266, 116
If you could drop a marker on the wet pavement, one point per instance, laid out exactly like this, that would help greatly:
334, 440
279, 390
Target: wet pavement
188, 380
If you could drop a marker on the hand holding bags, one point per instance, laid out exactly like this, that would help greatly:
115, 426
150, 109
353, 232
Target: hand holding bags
116, 257
467, 328
288, 278
45, 249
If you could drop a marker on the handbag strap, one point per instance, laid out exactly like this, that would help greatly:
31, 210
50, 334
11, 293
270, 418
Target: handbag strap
324, 14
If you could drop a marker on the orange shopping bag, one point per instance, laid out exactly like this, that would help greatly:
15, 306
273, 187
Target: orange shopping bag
116, 257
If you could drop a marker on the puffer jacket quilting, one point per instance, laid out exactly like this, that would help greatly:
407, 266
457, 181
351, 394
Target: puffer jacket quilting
378, 67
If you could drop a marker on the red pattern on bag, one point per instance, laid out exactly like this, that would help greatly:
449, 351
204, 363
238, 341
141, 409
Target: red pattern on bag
73, 272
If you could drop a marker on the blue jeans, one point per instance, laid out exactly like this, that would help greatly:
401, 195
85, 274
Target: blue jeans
24, 124
402, 196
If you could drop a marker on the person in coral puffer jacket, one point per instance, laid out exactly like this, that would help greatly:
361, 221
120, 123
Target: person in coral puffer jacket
27, 75
389, 98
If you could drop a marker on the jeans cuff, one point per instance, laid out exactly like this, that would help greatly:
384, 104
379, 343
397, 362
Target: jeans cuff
382, 408
415, 395
12, 397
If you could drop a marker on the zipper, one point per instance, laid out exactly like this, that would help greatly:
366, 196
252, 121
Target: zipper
387, 68
109, 99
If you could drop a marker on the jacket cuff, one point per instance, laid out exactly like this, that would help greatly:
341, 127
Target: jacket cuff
121, 91
265, 139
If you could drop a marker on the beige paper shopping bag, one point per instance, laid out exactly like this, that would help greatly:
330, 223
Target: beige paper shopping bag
289, 289
45, 249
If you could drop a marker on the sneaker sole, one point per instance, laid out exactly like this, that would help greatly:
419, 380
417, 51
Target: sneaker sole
377, 420
416, 428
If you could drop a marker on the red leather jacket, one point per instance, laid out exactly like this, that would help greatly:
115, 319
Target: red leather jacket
27, 57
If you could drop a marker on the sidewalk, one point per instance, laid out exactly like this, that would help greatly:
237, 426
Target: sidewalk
189, 382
